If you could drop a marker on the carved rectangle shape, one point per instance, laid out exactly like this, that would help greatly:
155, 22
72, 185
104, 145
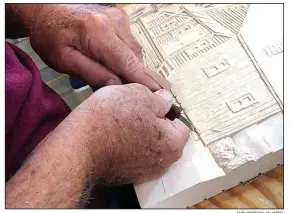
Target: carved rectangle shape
200, 46
274, 49
217, 68
241, 103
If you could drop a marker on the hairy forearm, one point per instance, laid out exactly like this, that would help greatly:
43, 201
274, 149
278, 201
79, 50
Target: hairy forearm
54, 176
18, 18
23, 19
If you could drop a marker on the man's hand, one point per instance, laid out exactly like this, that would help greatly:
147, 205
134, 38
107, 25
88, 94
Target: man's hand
90, 41
127, 125
119, 134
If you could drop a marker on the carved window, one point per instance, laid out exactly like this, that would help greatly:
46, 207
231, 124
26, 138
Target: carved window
241, 103
169, 24
216, 68
274, 49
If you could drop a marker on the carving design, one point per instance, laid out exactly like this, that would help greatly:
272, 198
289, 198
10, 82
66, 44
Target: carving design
274, 49
217, 68
213, 78
229, 155
230, 17
241, 103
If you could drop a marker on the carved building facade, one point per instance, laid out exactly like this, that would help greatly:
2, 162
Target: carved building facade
213, 78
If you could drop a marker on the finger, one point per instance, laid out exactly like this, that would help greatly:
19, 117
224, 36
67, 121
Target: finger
177, 134
115, 54
131, 42
124, 33
121, 23
161, 102
92, 72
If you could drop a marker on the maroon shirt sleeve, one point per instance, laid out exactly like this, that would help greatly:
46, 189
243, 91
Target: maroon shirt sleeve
32, 109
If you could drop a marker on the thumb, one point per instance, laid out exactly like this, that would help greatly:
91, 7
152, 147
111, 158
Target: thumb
163, 101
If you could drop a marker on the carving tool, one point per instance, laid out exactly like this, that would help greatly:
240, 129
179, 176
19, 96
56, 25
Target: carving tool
175, 111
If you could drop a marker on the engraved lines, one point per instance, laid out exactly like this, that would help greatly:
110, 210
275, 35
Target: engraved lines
224, 116
224, 120
158, 20
165, 37
205, 105
150, 56
247, 120
202, 93
172, 24
214, 42
181, 38
274, 49
182, 58
230, 17
218, 85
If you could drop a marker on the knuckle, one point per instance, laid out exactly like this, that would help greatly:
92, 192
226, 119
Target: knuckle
123, 13
141, 94
88, 24
139, 89
113, 47
101, 20
136, 47
63, 59
120, 13
132, 65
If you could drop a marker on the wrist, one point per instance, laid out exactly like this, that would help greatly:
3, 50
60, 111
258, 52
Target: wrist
54, 176
86, 140
72, 146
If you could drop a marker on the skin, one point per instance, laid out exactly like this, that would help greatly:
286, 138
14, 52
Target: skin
92, 42
118, 135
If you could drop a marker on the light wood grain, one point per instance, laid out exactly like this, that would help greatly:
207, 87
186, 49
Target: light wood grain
271, 189
264, 192
226, 200
206, 204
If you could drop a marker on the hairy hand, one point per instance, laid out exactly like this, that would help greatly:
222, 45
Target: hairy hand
127, 135
91, 41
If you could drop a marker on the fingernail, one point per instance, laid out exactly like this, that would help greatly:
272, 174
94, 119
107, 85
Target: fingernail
113, 82
167, 96
184, 123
